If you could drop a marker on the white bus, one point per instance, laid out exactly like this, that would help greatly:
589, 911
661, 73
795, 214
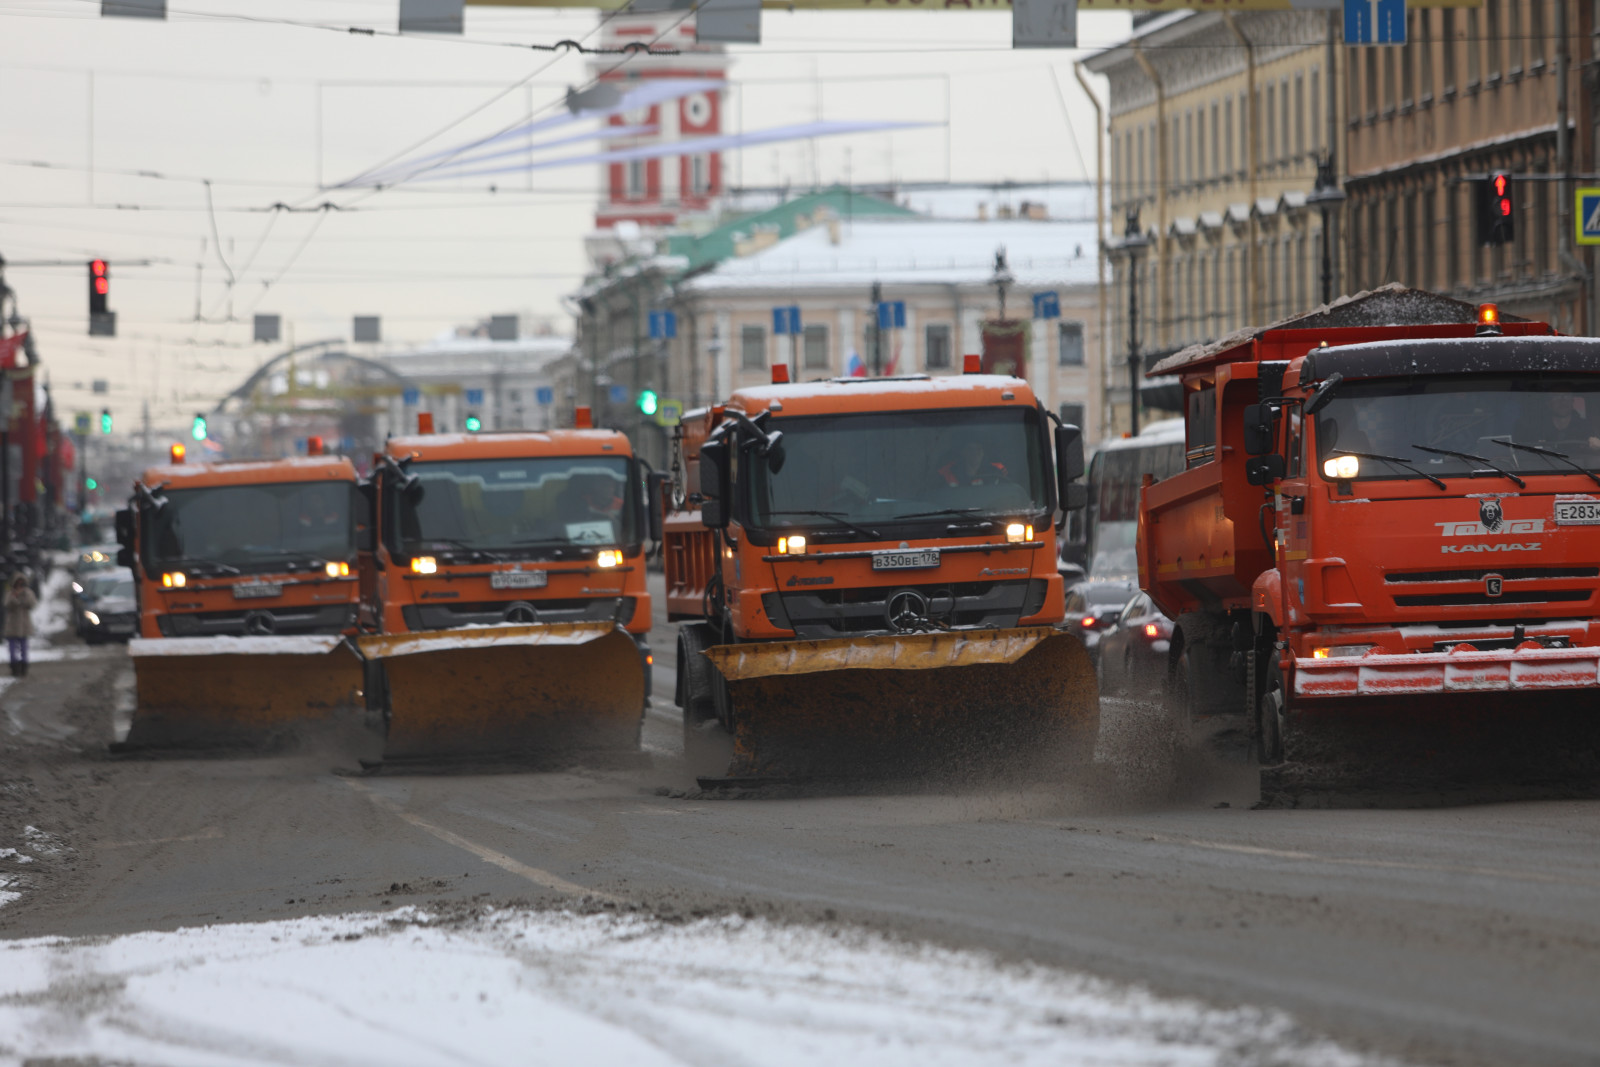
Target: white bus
1102, 537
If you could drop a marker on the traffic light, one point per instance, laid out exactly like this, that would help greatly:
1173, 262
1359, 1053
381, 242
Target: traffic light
473, 423
102, 320
105, 420
90, 484
1497, 210
198, 430
648, 401
99, 286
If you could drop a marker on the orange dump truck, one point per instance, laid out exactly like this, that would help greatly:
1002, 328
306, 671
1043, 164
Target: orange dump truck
1390, 516
246, 578
504, 609
868, 570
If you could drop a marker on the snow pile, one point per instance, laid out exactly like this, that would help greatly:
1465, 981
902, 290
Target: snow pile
9, 859
534, 987
53, 613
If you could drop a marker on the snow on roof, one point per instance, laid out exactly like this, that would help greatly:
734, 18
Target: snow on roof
916, 252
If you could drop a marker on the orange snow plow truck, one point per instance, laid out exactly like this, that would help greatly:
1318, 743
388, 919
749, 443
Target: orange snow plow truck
246, 584
1386, 543
504, 608
868, 569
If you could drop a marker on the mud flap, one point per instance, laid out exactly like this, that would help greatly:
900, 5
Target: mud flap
1022, 700
208, 692
505, 692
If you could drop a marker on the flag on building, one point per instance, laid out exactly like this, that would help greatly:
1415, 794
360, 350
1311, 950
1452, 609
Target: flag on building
853, 366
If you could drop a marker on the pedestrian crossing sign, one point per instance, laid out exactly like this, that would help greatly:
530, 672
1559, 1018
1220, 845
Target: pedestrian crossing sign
1588, 216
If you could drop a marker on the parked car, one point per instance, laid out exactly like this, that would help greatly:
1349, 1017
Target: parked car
1133, 653
89, 592
114, 614
1093, 608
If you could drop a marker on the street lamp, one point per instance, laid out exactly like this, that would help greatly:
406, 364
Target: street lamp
1326, 196
1133, 242
1001, 279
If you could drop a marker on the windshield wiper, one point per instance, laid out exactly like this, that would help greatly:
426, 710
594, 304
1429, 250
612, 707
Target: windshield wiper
841, 517
1552, 453
483, 553
1469, 457
1392, 459
223, 568
932, 514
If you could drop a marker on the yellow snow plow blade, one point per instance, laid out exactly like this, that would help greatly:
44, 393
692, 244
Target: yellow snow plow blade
509, 691
203, 692
949, 701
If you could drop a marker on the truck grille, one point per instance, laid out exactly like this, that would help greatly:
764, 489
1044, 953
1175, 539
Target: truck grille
966, 605
1480, 599
1510, 574
421, 617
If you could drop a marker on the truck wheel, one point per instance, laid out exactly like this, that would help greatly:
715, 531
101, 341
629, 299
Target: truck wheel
707, 746
1271, 712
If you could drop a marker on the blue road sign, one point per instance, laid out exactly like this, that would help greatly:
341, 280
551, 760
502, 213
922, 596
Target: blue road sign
892, 315
412, 397
546, 395
1046, 306
475, 397
786, 320
619, 394
663, 325
1374, 21
1588, 216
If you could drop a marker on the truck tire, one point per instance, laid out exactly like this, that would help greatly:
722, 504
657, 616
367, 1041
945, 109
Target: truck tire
1199, 683
1271, 717
707, 745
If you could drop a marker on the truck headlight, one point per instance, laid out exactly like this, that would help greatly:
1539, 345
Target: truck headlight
608, 558
1017, 532
337, 570
1342, 468
794, 545
424, 565
174, 580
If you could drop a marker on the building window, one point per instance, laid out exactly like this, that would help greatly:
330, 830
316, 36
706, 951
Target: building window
1407, 67
1272, 111
700, 174
936, 347
816, 348
1230, 162
1299, 114
514, 396
1536, 32
1424, 56
1371, 80
1474, 44
1541, 221
1514, 37
1283, 117
1409, 214
1315, 116
1139, 181
1452, 263
1217, 165
1447, 55
1069, 339
753, 347
1390, 82
1189, 173
1200, 145
1245, 133
636, 179
1491, 40
1429, 228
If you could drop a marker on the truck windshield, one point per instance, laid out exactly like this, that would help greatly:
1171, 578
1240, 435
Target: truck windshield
1400, 417
518, 502
248, 526
882, 468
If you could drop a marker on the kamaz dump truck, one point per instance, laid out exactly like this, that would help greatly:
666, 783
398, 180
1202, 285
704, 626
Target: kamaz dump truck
1387, 538
868, 570
246, 579
504, 609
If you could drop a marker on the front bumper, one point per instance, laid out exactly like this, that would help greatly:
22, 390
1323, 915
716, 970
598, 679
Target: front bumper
1530, 667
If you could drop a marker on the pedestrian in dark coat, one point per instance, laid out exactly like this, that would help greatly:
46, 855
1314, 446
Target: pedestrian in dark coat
20, 602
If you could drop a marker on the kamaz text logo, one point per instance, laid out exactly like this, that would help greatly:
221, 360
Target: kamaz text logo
1505, 528
1528, 546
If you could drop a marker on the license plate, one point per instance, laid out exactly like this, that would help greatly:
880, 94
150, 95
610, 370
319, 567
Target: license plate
519, 580
256, 590
1578, 512
899, 561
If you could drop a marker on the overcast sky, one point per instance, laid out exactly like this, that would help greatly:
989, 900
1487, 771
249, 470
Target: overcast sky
266, 111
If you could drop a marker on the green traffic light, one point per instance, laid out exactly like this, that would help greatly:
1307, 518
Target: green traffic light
198, 431
474, 424
105, 421
90, 483
648, 401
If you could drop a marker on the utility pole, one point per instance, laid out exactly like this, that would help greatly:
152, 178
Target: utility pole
877, 330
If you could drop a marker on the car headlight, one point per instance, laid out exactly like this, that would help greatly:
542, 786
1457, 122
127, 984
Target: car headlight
174, 580
76, 588
94, 620
608, 558
1342, 468
424, 565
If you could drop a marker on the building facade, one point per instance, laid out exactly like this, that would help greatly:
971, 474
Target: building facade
1217, 121
1475, 90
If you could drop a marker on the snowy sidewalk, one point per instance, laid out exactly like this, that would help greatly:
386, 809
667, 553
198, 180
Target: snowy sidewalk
523, 987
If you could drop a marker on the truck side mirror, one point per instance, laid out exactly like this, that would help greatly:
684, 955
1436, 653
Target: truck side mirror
1069, 468
1264, 470
364, 502
123, 522
714, 484
655, 485
1260, 422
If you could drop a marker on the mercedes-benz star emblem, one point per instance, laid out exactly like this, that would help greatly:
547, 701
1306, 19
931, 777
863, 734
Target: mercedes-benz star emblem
907, 610
1491, 515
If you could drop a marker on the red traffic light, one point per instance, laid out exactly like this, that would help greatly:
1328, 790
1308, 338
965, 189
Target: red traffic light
98, 267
